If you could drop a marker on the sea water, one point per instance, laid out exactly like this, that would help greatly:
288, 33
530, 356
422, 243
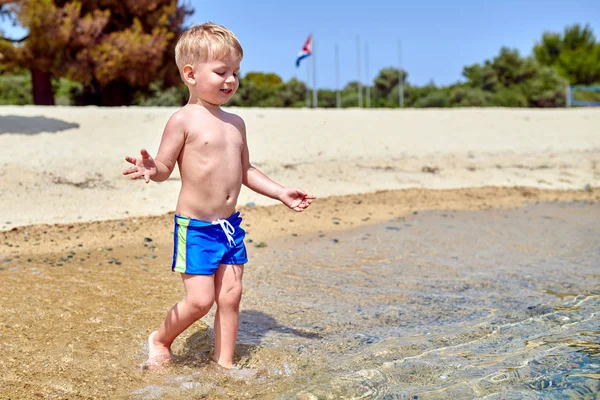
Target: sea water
495, 304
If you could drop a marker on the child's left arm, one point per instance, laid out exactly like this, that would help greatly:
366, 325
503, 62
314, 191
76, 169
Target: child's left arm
253, 178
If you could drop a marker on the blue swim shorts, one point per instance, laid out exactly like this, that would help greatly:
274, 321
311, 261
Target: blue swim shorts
200, 246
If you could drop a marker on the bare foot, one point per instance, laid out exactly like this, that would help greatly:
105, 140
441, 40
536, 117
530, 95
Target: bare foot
222, 365
235, 371
158, 354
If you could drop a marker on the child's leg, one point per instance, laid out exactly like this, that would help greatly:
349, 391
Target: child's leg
199, 298
228, 293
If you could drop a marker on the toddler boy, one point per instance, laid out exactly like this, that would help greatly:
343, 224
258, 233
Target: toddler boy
210, 148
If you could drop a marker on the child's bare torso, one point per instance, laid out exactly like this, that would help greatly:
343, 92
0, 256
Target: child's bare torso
210, 164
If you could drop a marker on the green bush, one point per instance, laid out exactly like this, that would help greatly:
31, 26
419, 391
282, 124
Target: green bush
433, 99
65, 91
547, 89
349, 99
174, 96
469, 97
509, 98
15, 89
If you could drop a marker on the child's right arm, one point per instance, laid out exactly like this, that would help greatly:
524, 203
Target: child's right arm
160, 168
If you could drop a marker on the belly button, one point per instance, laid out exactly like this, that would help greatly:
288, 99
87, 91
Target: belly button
228, 197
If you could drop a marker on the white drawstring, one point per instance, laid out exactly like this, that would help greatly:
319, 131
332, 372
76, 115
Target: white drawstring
227, 228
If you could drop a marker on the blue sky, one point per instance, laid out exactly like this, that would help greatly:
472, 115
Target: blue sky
438, 37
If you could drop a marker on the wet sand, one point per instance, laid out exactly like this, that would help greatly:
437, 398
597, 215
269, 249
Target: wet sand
363, 292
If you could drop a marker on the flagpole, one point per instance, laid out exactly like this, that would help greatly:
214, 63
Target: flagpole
368, 88
358, 68
307, 51
307, 85
400, 77
338, 97
314, 65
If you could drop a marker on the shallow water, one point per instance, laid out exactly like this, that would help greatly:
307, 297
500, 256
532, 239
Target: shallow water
496, 304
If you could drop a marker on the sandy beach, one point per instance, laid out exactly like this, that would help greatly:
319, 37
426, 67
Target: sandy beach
458, 224
63, 164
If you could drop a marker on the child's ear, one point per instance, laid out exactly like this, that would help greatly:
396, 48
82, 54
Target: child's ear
189, 74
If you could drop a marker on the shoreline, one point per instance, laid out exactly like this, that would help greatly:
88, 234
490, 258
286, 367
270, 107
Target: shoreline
264, 223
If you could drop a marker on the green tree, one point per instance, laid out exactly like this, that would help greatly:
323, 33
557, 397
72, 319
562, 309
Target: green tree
464, 96
414, 96
174, 96
505, 98
575, 54
546, 89
349, 99
509, 80
291, 94
257, 89
349, 94
438, 98
327, 98
384, 86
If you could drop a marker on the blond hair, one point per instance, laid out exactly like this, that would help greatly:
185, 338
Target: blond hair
208, 41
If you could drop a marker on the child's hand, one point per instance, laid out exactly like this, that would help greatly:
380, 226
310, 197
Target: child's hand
142, 167
296, 199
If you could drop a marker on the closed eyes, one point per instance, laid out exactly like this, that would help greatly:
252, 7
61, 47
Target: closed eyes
222, 73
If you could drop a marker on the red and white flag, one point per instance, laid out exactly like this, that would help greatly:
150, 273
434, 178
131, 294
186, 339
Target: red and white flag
306, 51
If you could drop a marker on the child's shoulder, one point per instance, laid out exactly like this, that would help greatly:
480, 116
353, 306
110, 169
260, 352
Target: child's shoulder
196, 115
181, 115
186, 115
235, 119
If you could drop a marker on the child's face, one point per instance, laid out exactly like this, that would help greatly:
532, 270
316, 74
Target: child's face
217, 80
